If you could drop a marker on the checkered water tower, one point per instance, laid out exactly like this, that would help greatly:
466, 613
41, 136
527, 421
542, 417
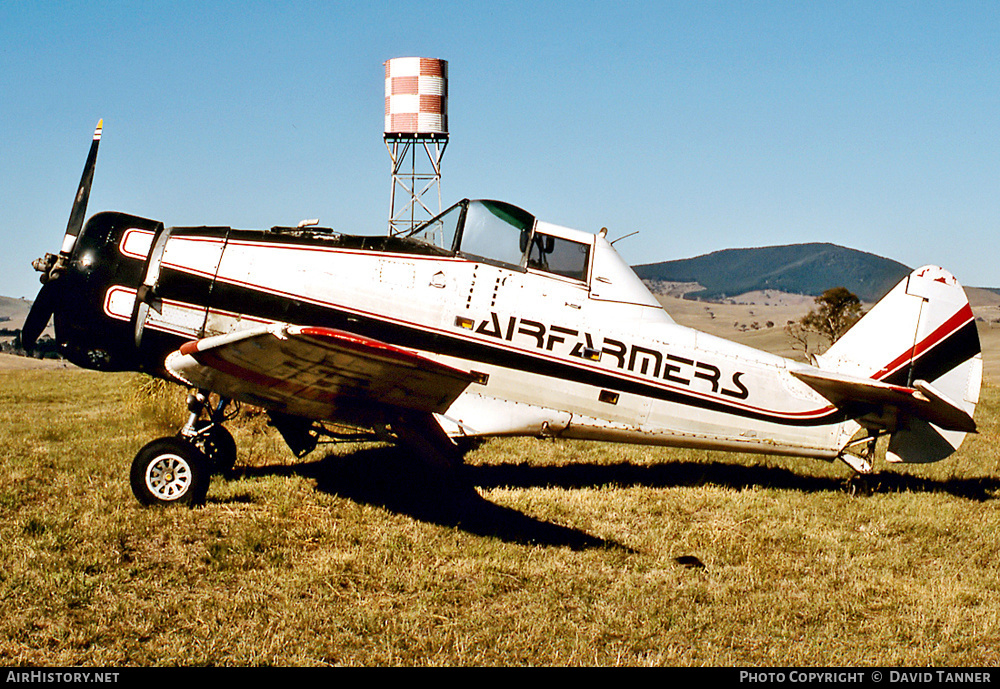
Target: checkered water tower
416, 134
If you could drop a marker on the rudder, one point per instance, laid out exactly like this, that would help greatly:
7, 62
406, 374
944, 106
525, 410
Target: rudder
922, 330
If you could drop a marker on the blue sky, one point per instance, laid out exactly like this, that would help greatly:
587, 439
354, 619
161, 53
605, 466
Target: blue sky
701, 125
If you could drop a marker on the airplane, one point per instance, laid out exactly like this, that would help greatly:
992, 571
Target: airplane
484, 321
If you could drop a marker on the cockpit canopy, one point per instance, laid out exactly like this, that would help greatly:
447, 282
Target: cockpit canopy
497, 232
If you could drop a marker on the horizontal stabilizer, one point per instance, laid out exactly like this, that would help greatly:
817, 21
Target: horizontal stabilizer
922, 401
317, 372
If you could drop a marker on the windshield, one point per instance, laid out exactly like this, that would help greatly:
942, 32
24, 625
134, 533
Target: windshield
496, 231
491, 230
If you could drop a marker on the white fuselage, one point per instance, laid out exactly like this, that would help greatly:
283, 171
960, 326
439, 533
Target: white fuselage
592, 358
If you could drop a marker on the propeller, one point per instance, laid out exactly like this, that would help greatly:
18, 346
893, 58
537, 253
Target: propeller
52, 266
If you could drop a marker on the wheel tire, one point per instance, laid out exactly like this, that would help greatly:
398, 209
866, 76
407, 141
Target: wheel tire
218, 446
170, 471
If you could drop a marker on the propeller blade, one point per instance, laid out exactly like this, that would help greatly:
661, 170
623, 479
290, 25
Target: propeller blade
51, 266
39, 315
76, 216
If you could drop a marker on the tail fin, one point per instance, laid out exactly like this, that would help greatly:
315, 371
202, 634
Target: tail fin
922, 335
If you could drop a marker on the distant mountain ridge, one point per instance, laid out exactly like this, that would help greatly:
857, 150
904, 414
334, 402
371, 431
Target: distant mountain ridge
808, 269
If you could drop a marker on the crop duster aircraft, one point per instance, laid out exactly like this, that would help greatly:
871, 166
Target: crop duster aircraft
484, 321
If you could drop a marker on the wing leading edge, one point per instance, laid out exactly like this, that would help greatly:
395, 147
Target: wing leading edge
317, 372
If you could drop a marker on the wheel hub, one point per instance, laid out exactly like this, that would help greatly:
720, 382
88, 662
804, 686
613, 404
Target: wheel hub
168, 477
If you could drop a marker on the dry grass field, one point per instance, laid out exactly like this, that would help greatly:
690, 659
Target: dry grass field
544, 553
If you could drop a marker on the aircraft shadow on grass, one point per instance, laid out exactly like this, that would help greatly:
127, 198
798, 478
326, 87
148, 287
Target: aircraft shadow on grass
390, 478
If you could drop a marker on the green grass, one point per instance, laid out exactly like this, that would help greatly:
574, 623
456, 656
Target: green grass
560, 553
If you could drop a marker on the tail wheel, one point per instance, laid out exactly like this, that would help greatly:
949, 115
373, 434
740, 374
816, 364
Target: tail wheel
170, 471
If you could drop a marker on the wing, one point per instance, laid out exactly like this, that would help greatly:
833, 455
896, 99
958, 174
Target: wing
316, 372
922, 401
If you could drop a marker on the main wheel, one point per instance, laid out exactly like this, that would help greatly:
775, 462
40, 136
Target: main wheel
170, 471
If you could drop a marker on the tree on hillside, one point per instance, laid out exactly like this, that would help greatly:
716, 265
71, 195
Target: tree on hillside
836, 310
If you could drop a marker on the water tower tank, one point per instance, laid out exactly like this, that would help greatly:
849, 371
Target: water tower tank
416, 97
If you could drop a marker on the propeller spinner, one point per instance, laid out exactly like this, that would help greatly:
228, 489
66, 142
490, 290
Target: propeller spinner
53, 265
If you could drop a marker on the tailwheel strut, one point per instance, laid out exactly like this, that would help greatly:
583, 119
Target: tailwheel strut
859, 454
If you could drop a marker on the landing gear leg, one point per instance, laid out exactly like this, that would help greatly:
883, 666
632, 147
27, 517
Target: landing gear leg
209, 435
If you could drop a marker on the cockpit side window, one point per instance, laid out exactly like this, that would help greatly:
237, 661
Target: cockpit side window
560, 256
496, 231
442, 230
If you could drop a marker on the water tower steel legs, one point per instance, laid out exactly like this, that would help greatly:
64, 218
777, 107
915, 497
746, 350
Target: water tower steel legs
407, 209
